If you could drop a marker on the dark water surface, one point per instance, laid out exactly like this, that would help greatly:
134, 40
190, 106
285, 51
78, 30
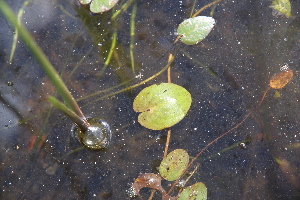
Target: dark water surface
226, 74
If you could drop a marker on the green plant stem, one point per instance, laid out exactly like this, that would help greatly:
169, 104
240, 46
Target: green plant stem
111, 50
206, 6
42, 59
106, 90
123, 8
216, 139
15, 39
82, 124
138, 84
78, 64
132, 33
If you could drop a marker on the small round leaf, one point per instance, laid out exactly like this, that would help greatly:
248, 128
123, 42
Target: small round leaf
162, 105
172, 166
198, 191
195, 29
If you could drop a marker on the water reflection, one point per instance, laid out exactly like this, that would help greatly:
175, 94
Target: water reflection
246, 48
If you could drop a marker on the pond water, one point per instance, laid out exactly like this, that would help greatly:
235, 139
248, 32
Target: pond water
226, 74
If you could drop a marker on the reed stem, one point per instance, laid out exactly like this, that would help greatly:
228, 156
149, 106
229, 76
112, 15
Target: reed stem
42, 59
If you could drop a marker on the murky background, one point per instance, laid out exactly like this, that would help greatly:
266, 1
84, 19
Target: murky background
226, 74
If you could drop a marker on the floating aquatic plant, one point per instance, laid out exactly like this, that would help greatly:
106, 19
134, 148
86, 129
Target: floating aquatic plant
282, 7
198, 191
195, 29
98, 6
162, 106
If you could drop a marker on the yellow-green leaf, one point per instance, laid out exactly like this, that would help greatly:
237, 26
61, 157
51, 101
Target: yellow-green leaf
195, 29
198, 191
98, 6
282, 7
172, 166
162, 106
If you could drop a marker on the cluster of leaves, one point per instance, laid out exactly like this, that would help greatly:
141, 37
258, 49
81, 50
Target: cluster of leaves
171, 169
164, 105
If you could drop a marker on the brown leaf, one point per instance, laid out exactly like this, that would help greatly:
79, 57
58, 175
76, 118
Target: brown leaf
150, 180
279, 80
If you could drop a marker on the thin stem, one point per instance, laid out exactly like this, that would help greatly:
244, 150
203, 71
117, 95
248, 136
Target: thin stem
79, 63
110, 53
132, 33
215, 140
169, 68
82, 124
206, 6
106, 90
167, 143
123, 8
193, 7
16, 35
42, 59
136, 85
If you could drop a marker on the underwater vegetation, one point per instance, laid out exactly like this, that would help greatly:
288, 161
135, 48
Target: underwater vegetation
151, 100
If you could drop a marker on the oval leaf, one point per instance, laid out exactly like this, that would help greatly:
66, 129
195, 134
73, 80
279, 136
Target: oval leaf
198, 191
172, 166
279, 80
98, 6
162, 105
195, 29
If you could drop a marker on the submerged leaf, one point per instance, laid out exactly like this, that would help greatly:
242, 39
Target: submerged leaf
198, 191
98, 6
195, 29
279, 80
282, 7
172, 166
148, 180
162, 105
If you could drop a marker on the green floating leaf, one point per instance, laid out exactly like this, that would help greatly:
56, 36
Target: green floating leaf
172, 166
162, 105
195, 29
282, 7
85, 1
98, 6
198, 191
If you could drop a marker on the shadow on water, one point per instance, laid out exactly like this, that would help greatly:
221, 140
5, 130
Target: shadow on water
226, 74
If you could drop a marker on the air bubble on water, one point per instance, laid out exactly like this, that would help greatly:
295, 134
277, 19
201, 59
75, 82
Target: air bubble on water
97, 136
